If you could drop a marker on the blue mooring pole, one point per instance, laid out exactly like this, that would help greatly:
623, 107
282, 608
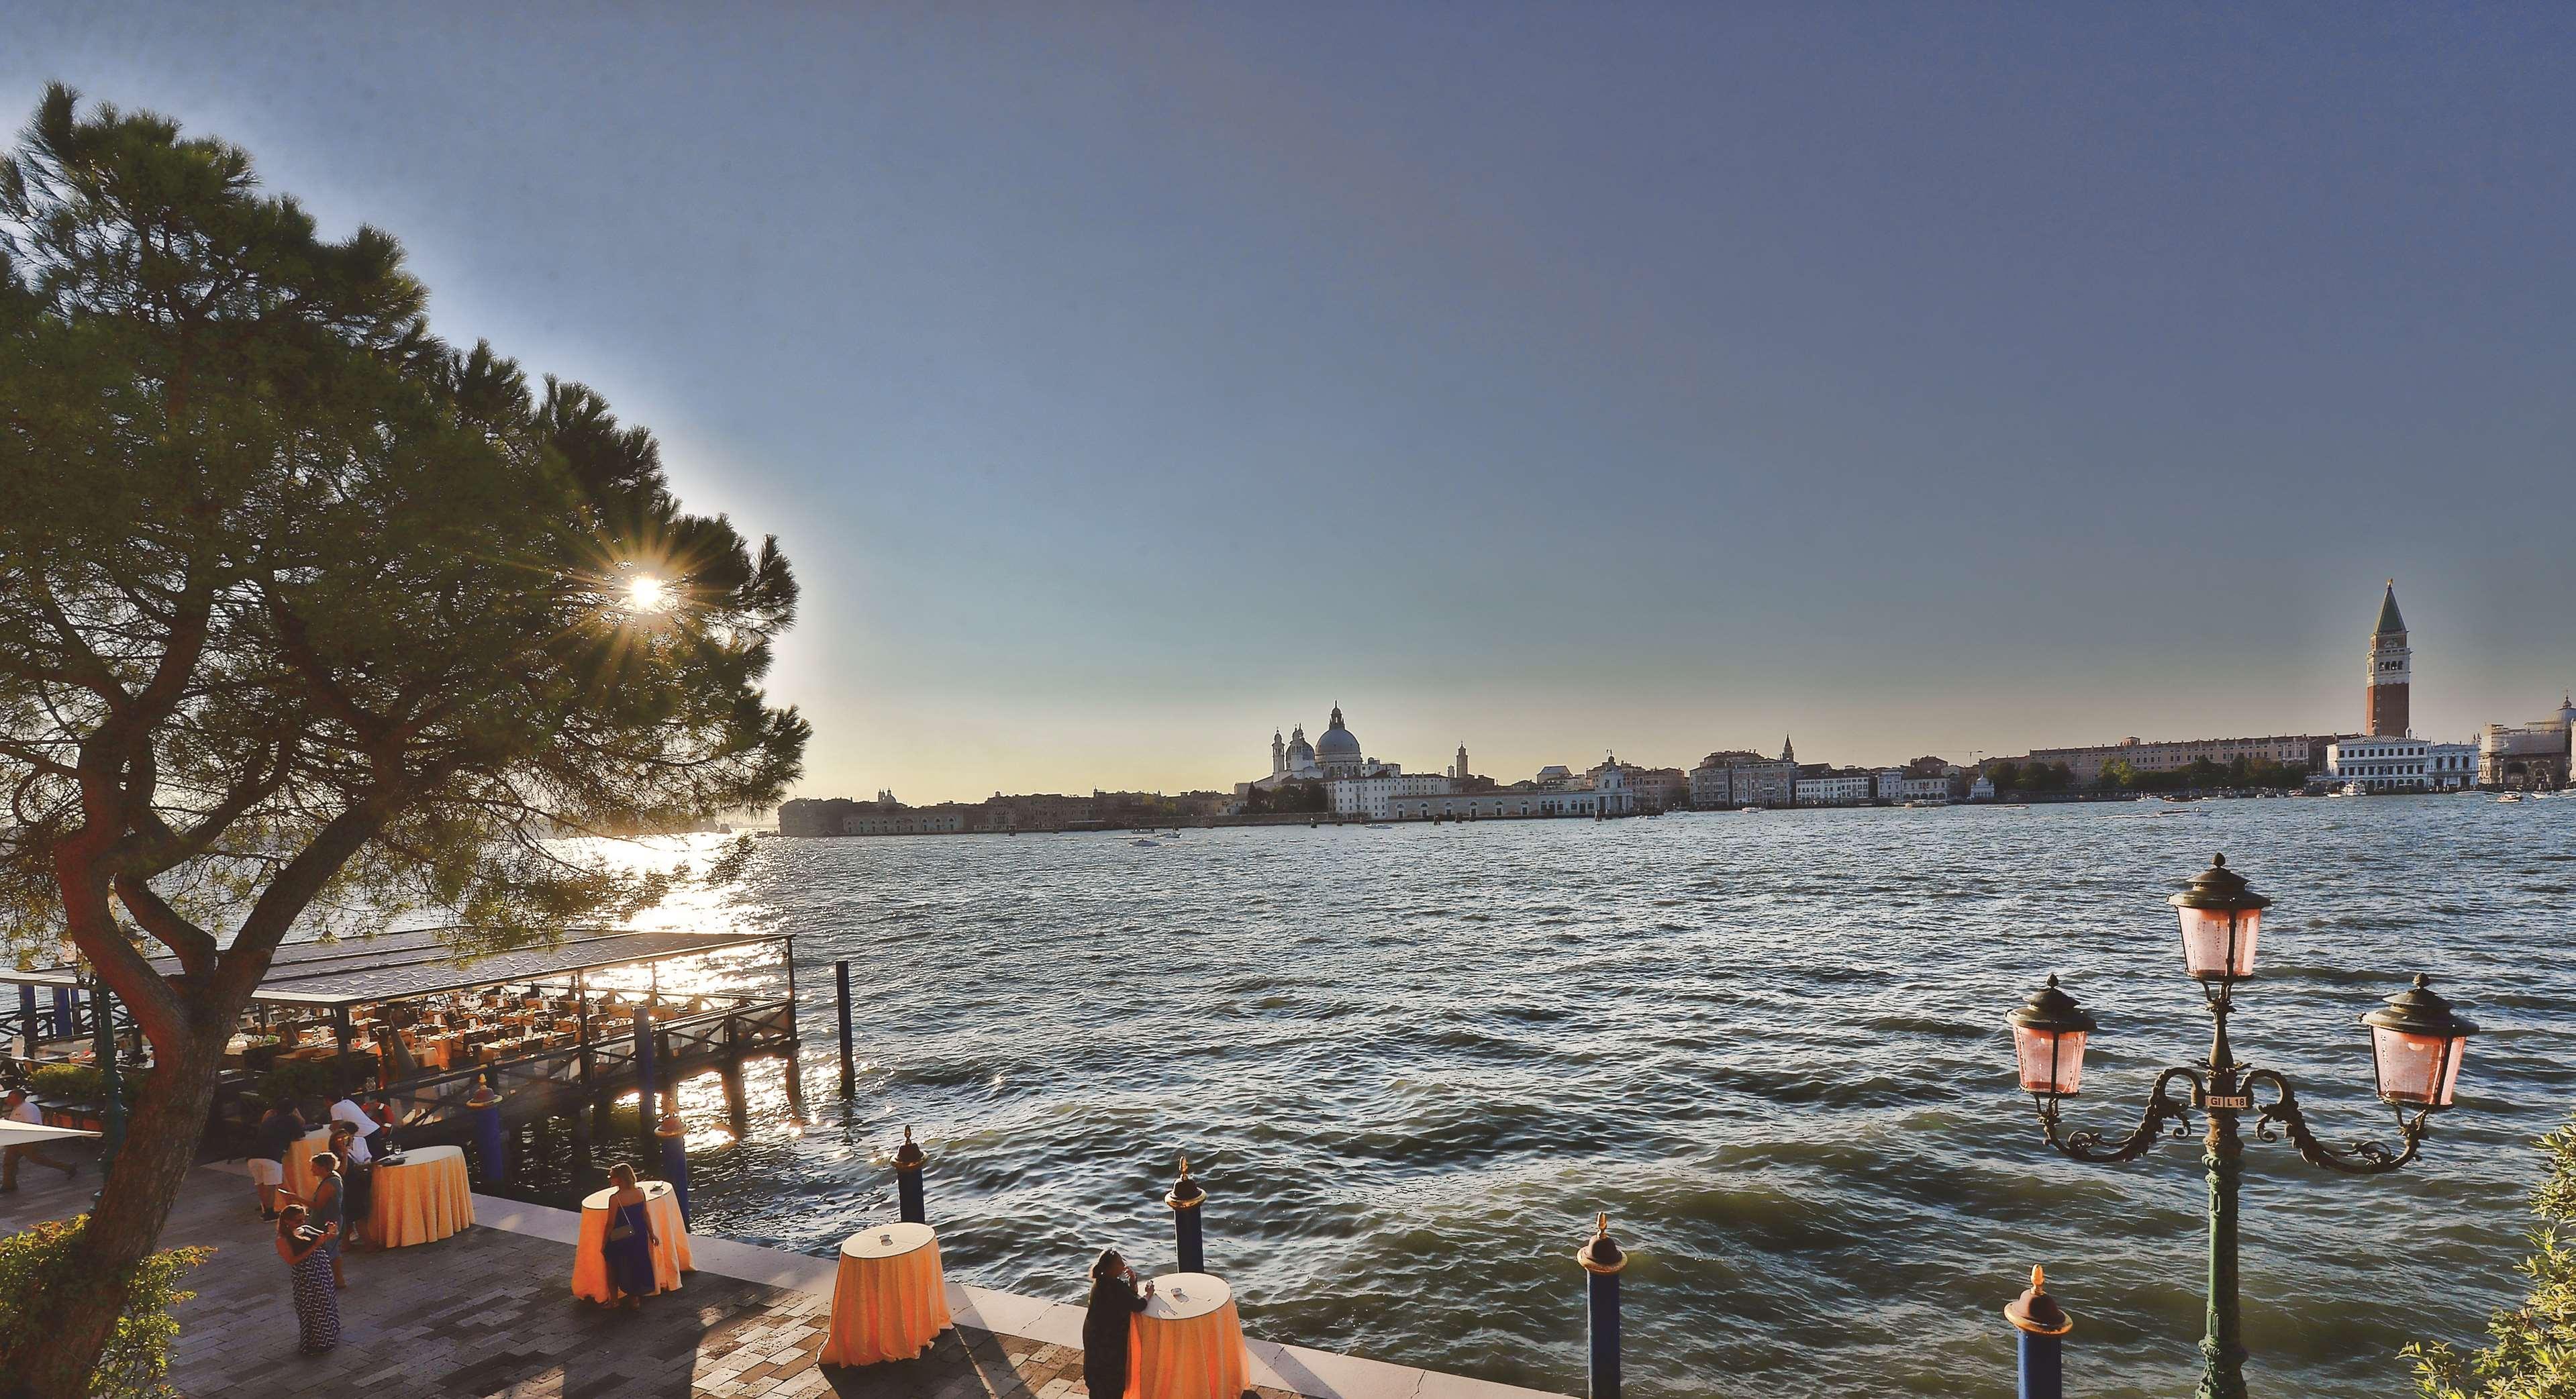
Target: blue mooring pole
674, 1136
1602, 1260
484, 1109
2042, 1325
907, 1180
1185, 1199
849, 1074
645, 1105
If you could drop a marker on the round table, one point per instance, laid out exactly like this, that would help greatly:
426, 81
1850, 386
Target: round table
1188, 1342
423, 1200
889, 1299
299, 1162
670, 1248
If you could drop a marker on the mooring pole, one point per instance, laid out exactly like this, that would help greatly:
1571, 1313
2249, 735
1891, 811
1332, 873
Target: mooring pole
1602, 1260
2042, 1326
1185, 1199
907, 1180
484, 1108
849, 1072
645, 1107
673, 1135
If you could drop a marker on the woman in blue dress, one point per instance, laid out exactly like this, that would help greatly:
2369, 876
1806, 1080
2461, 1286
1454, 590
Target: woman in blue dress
628, 1248
317, 1302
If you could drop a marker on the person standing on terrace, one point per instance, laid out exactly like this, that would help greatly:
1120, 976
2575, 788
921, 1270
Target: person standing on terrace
1114, 1299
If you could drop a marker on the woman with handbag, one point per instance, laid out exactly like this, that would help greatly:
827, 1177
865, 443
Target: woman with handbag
628, 1248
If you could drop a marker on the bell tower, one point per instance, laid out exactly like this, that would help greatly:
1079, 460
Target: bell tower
2384, 709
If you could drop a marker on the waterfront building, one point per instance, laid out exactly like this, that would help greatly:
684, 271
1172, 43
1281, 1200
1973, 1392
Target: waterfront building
1655, 789
893, 818
1898, 785
1374, 797
1711, 784
1038, 812
1982, 790
2533, 755
2085, 764
2402, 764
1608, 796
1555, 777
1847, 787
2385, 703
1736, 777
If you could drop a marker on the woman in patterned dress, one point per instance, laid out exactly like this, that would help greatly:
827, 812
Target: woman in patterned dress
317, 1302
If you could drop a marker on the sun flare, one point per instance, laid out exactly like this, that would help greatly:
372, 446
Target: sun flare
647, 594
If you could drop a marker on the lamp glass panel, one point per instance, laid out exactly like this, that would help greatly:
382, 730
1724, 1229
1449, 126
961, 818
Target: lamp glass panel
2205, 942
2052, 1061
2408, 1064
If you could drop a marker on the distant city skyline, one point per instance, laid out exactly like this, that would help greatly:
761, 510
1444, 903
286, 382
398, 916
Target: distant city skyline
1124, 385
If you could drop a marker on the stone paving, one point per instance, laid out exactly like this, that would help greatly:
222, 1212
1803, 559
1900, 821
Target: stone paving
490, 1312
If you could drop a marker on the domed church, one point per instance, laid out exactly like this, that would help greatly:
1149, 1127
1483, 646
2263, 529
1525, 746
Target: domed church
1334, 755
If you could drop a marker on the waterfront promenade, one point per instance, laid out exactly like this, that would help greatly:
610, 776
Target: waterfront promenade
490, 1312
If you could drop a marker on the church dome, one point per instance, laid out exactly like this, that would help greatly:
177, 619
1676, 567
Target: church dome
1338, 744
1300, 752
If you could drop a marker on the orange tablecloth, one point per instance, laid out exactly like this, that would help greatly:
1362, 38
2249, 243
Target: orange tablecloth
1188, 1342
889, 1300
299, 1162
670, 1249
423, 1200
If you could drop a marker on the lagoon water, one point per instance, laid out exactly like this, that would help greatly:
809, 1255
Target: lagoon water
1410, 1065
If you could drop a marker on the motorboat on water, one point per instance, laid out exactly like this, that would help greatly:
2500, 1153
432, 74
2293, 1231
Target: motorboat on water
2510, 797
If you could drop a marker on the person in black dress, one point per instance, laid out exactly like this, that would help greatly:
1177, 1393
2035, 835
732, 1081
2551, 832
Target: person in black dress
1114, 1299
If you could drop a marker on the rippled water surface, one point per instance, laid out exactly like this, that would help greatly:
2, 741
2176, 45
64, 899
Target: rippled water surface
1411, 1063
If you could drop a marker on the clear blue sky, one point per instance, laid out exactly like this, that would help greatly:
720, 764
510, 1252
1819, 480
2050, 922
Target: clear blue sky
1126, 382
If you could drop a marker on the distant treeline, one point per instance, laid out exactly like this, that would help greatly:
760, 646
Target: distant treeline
2118, 776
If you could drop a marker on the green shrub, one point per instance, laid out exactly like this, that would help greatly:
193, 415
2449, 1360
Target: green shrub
2534, 1354
296, 1081
68, 1083
36, 1261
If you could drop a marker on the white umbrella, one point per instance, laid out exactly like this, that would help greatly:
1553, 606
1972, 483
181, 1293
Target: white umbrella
30, 1133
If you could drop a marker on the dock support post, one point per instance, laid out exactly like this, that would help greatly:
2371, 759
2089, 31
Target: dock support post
907, 1180
484, 1108
1185, 1199
1602, 1260
27, 1019
64, 1021
647, 1106
673, 1135
849, 1072
2042, 1325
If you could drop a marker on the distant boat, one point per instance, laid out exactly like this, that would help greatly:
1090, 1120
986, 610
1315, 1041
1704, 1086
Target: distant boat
1379, 826
1750, 810
1145, 842
2510, 797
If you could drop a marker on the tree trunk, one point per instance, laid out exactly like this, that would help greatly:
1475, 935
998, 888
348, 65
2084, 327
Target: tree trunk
73, 1324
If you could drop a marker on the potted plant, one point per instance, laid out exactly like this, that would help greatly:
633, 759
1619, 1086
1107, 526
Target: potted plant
71, 1095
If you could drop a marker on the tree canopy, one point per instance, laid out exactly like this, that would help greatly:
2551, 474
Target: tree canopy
306, 613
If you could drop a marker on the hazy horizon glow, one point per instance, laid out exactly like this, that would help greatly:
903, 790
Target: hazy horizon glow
1124, 385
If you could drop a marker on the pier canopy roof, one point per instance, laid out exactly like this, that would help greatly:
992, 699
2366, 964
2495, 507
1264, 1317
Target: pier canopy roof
399, 965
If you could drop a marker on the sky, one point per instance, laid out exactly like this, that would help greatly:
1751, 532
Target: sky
1127, 382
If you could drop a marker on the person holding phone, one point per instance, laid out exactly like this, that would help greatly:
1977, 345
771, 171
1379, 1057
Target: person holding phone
317, 1301
1114, 1299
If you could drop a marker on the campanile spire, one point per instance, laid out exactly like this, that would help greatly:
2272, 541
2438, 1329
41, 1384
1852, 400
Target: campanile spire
2385, 710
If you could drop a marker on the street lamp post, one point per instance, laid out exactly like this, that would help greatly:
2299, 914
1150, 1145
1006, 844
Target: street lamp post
2416, 1043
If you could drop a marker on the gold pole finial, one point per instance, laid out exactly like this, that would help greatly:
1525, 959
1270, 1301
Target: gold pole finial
2038, 1279
1185, 1167
1601, 1225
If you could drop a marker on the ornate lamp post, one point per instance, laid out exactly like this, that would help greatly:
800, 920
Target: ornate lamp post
2416, 1043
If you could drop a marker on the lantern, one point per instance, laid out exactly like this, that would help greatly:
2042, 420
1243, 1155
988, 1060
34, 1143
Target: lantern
2048, 1041
2416, 1041
2221, 918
